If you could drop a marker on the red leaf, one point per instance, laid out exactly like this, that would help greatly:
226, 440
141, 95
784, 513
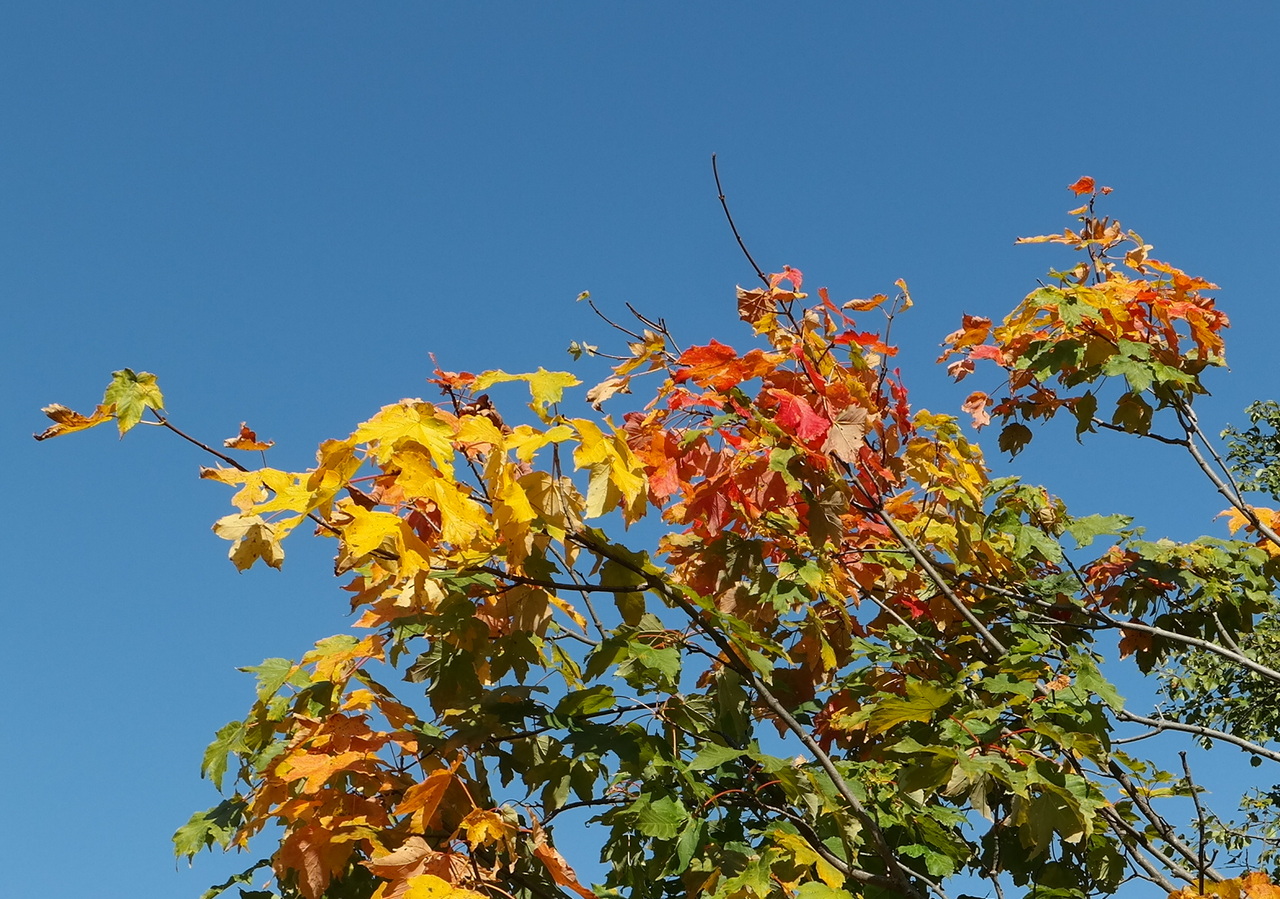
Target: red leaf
797, 416
987, 351
794, 275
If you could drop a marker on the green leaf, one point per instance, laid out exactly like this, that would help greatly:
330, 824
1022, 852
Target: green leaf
712, 756
243, 877
1084, 530
585, 702
1014, 438
229, 739
660, 819
271, 675
132, 394
212, 827
816, 889
922, 700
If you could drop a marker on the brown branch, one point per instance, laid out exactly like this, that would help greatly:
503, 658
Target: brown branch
1200, 731
204, 446
941, 583
725, 206
1162, 826
1192, 427
1200, 822
1172, 441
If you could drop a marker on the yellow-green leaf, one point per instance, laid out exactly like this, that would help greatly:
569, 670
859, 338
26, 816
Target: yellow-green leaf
131, 394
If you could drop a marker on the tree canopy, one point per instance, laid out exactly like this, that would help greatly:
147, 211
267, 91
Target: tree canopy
777, 631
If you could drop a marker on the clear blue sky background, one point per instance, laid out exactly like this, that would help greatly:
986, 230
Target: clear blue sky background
281, 208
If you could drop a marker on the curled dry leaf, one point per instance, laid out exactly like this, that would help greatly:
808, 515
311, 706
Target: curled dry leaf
67, 421
247, 440
976, 405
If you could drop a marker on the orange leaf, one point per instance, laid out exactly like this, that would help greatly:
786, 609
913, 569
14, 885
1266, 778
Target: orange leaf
247, 440
68, 420
1084, 186
316, 768
556, 864
314, 855
865, 305
1259, 886
422, 799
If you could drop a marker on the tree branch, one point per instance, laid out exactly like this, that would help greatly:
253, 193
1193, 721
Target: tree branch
734, 228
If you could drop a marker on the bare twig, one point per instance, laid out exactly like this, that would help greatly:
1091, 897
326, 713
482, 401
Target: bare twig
1200, 731
725, 206
1200, 822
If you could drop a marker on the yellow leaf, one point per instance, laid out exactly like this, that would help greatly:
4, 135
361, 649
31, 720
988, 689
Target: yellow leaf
547, 387
368, 530
906, 295
526, 441
462, 519
252, 538
67, 421
428, 886
865, 305
480, 432
615, 473
410, 421
252, 491
485, 826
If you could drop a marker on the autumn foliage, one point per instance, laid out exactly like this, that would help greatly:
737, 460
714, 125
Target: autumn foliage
849, 663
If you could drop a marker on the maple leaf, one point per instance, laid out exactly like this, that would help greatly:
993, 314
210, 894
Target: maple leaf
410, 420
546, 387
313, 854
252, 538
707, 365
132, 394
400, 863
247, 440
607, 388
798, 417
67, 421
794, 275
422, 799
556, 864
485, 826
848, 434
428, 886
1083, 186
866, 305
758, 308
316, 768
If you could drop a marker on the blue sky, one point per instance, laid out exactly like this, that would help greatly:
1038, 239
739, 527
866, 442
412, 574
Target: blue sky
281, 208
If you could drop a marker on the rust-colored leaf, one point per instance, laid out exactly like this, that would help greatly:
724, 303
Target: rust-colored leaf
247, 440
1083, 186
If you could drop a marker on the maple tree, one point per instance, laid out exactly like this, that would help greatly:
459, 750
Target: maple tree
852, 663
